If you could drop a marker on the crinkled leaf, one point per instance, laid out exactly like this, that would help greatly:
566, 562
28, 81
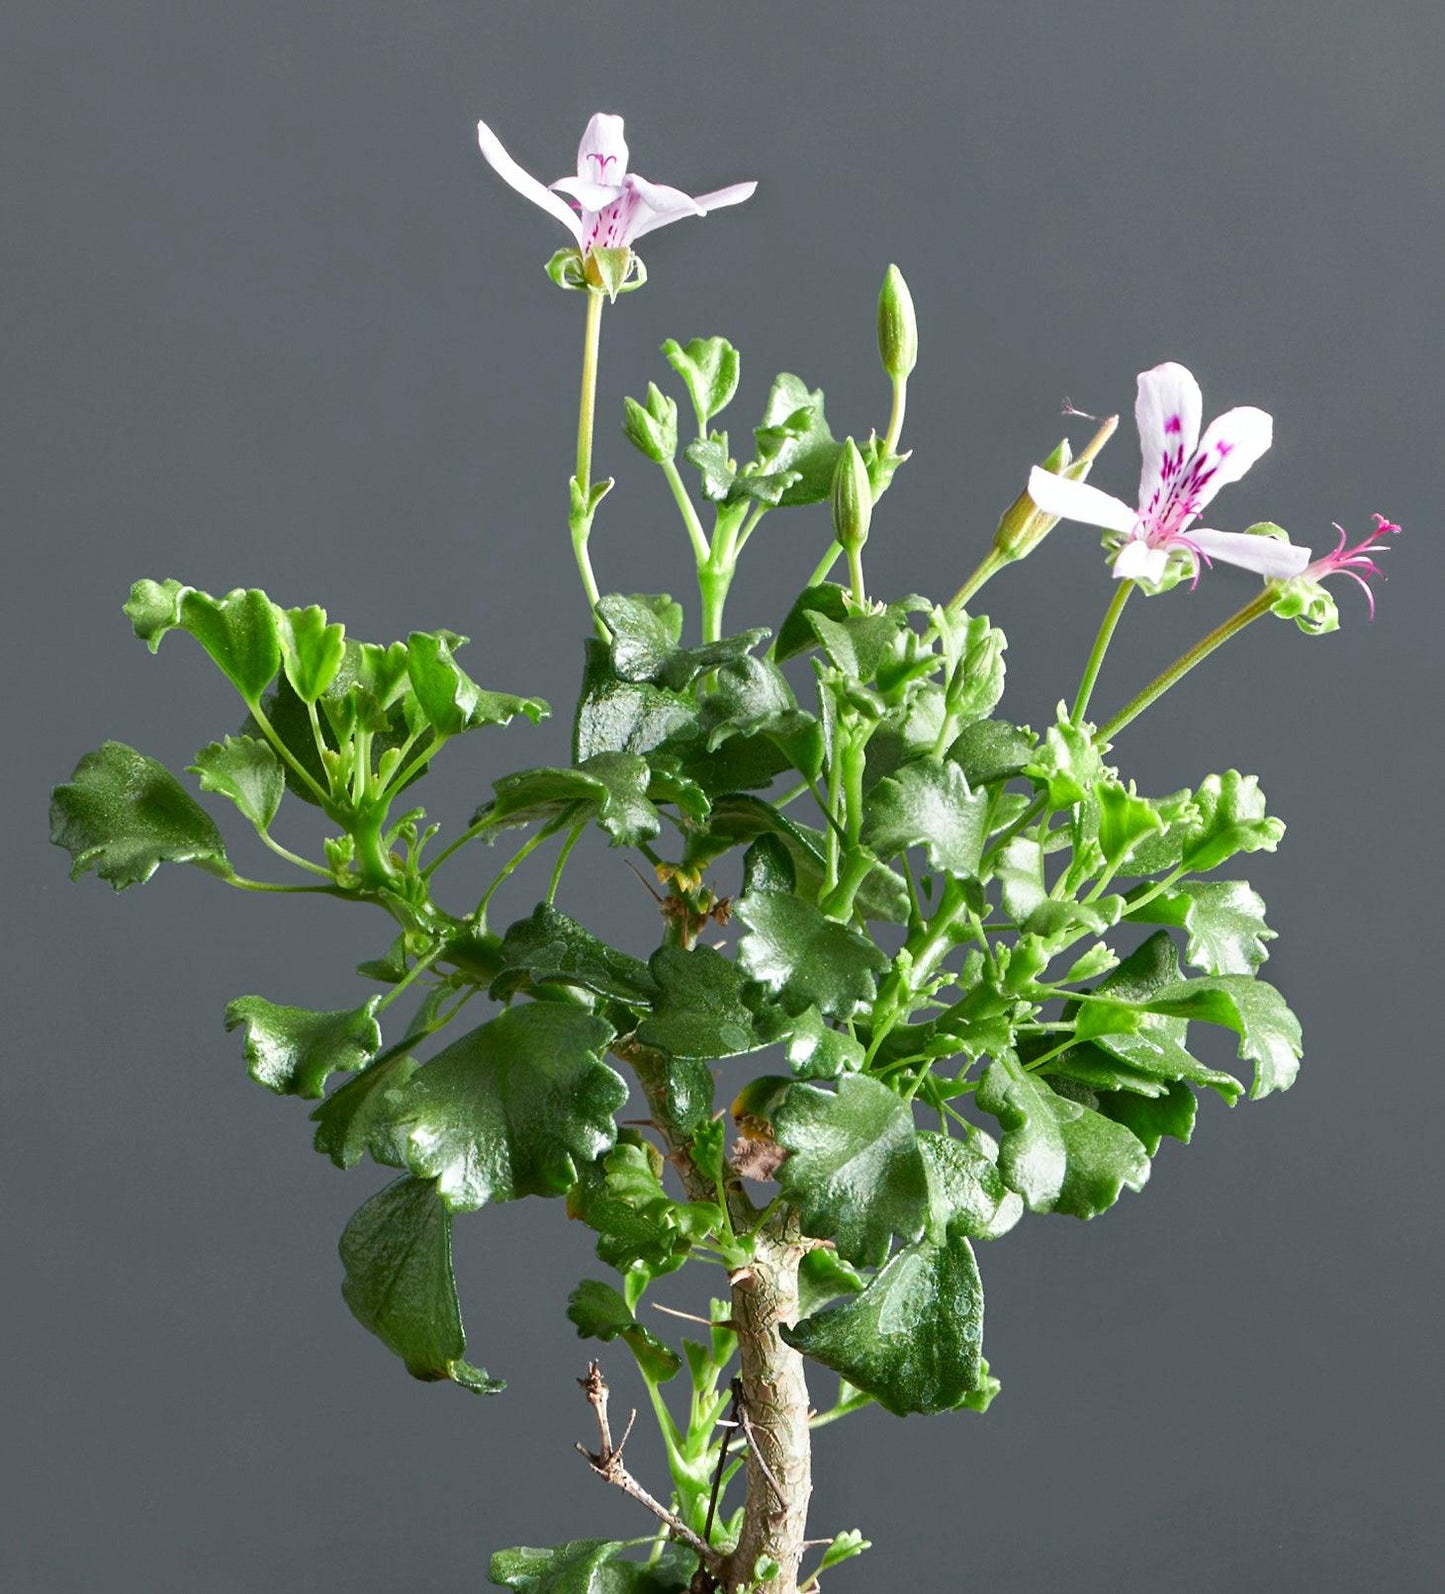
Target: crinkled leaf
612, 785
397, 1252
1150, 1118
449, 698
928, 803
794, 436
752, 697
1269, 1033
1068, 764
617, 716
1125, 820
1102, 1158
913, 1338
1224, 920
512, 1108
293, 1050
966, 1191
311, 650
248, 772
699, 1010
599, 1312
805, 958
710, 367
715, 465
592, 1566
815, 1051
549, 948
638, 1225
645, 627
360, 1119
1032, 1154
239, 631
992, 750
859, 644
974, 649
854, 1168
1020, 873
1225, 816
123, 814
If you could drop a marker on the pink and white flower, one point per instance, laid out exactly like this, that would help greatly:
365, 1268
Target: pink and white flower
1181, 474
614, 207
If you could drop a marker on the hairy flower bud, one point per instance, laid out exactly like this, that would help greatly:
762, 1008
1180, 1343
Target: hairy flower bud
852, 498
897, 326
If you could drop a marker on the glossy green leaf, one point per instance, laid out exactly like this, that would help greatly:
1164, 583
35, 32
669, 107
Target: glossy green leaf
794, 436
360, 1119
1032, 1154
645, 627
992, 750
1102, 1159
293, 1050
928, 803
311, 650
854, 1168
815, 1051
449, 698
513, 1107
123, 815
1224, 920
599, 1312
638, 1225
1068, 763
613, 786
244, 769
1269, 1033
1150, 1118
1225, 816
804, 958
710, 367
699, 1010
751, 697
913, 1338
592, 1566
966, 1191
549, 948
1125, 820
239, 631
397, 1252
823, 1276
617, 716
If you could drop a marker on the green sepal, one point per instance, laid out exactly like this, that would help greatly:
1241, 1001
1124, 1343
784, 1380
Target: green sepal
450, 699
854, 1169
913, 1339
399, 1283
794, 436
615, 271
293, 1050
311, 650
1224, 920
928, 803
598, 1311
513, 1107
592, 1566
1225, 816
244, 769
123, 815
710, 368
651, 428
804, 958
549, 948
238, 631
567, 270
360, 1119
700, 1008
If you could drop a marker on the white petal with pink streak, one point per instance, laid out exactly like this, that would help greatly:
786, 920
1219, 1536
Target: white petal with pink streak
1167, 409
1071, 500
1231, 445
602, 154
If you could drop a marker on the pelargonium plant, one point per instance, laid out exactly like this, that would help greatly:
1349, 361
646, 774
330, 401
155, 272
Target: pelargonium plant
967, 956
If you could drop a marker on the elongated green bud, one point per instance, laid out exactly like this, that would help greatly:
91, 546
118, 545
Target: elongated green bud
1024, 525
852, 498
897, 326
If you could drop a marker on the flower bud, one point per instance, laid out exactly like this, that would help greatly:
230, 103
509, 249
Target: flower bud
1024, 525
852, 498
897, 326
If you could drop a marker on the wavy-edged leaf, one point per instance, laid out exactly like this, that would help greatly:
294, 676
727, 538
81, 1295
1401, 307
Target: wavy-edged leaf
1224, 920
311, 650
360, 1119
244, 769
928, 803
1225, 816
966, 1191
794, 436
294, 1050
805, 958
548, 948
598, 1311
593, 1566
238, 631
699, 1010
1032, 1155
451, 700
710, 368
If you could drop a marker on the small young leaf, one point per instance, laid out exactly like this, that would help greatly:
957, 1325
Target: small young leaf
244, 769
124, 814
815, 1051
1068, 764
710, 367
599, 1312
967, 1192
239, 631
449, 698
397, 1252
794, 436
1225, 816
311, 650
651, 428
293, 1050
638, 1225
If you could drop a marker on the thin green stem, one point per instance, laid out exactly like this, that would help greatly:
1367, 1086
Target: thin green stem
243, 884
563, 855
1095, 662
855, 577
1186, 662
825, 566
895, 419
292, 857
423, 758
475, 829
695, 532
587, 408
413, 974
284, 753
508, 869
988, 567
749, 526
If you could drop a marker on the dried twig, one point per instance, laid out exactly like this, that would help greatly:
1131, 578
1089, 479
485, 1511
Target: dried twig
608, 1465
727, 1425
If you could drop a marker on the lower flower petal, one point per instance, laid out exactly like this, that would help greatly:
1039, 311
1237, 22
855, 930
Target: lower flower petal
1266, 556
525, 184
1137, 561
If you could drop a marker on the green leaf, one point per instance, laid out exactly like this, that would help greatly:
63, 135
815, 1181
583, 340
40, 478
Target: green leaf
1150, 1118
822, 1277
311, 650
1125, 819
239, 631
638, 1225
449, 698
599, 1312
715, 465
293, 1050
1068, 764
913, 1338
794, 436
854, 1168
513, 1107
592, 1566
360, 1119
710, 368
752, 697
1225, 816
1269, 1033
124, 814
612, 785
1033, 1157
1020, 874
645, 630
1224, 920
617, 716
974, 650
397, 1252
815, 1051
699, 1010
804, 958
967, 1193
928, 803
549, 948
248, 772
992, 750
1102, 1158
651, 428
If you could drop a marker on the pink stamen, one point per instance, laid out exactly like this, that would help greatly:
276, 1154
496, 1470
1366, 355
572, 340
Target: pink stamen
1355, 561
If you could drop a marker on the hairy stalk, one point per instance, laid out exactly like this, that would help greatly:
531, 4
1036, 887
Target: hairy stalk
774, 1411
1100, 648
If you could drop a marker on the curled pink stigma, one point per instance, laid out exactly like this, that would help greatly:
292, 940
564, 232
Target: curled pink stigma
1355, 562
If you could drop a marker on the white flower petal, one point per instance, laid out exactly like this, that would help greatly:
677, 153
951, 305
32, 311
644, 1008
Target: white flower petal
591, 196
1071, 500
602, 154
1137, 561
1231, 445
1167, 410
1266, 556
525, 184
734, 194
657, 206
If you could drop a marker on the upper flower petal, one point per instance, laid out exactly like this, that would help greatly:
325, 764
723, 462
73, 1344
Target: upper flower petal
733, 194
1167, 410
602, 154
1269, 557
590, 195
1071, 500
525, 184
1231, 445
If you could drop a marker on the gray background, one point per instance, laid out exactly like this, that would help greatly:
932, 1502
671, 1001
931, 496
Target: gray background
267, 319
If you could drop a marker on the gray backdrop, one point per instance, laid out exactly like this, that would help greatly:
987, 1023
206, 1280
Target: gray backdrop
268, 319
